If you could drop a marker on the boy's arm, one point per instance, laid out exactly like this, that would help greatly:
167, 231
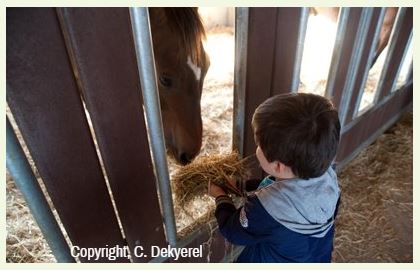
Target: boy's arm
243, 226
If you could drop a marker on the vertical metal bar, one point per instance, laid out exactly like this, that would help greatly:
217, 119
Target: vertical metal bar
369, 62
409, 74
391, 47
303, 23
241, 50
335, 60
362, 31
25, 180
146, 66
394, 81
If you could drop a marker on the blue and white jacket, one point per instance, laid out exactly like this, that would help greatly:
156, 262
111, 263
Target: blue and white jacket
283, 221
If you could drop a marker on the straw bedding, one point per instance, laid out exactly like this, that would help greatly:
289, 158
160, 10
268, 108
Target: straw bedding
375, 220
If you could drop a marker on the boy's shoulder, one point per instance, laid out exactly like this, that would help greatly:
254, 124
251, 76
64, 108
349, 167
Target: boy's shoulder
304, 206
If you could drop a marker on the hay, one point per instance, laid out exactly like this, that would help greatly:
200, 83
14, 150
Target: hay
193, 206
375, 218
24, 241
192, 180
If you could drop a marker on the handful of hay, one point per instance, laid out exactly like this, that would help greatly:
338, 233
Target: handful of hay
192, 180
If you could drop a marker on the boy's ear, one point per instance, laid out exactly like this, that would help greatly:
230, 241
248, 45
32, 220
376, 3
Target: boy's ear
278, 167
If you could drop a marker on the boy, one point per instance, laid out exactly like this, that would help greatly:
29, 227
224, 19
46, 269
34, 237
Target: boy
290, 217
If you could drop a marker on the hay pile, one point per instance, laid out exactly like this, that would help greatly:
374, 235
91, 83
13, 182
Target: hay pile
192, 180
375, 220
193, 206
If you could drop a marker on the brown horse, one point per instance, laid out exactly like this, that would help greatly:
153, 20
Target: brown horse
390, 14
181, 65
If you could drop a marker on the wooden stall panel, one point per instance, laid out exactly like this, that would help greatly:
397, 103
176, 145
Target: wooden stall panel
286, 46
102, 49
44, 99
272, 48
261, 48
372, 123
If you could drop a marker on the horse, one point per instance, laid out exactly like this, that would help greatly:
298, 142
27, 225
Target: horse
390, 15
181, 65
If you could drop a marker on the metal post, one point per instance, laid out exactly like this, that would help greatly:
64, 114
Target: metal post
303, 23
338, 46
369, 62
359, 44
409, 78
397, 75
241, 48
25, 180
392, 46
146, 67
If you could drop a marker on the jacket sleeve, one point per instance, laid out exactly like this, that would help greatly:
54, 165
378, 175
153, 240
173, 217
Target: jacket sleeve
243, 226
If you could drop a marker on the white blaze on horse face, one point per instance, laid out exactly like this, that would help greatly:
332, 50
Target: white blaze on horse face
195, 69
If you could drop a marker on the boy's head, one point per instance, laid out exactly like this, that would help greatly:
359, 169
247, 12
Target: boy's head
301, 131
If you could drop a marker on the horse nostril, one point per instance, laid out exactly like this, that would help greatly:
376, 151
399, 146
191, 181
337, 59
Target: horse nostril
184, 158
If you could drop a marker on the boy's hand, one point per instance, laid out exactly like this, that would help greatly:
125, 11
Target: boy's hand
215, 190
232, 182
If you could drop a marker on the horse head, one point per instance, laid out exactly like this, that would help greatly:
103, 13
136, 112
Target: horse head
181, 65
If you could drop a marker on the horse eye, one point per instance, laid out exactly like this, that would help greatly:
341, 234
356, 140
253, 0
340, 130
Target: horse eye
165, 81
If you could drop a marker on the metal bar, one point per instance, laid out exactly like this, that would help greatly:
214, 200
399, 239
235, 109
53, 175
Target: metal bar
303, 23
356, 121
409, 74
146, 67
397, 75
369, 62
392, 46
335, 60
25, 180
362, 31
241, 47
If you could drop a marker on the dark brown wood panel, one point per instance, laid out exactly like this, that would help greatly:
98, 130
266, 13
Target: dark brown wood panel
373, 120
261, 49
44, 99
102, 49
397, 54
286, 45
345, 57
363, 65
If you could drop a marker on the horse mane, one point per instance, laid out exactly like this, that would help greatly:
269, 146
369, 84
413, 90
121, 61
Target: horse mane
186, 22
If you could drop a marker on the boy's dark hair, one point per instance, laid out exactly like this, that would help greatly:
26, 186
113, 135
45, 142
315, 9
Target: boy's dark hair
300, 130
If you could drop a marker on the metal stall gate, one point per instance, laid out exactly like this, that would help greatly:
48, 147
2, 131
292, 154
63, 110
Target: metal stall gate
273, 56
67, 67
55, 56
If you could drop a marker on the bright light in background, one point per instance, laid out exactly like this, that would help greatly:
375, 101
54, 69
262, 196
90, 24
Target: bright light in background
372, 82
402, 77
221, 50
317, 53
